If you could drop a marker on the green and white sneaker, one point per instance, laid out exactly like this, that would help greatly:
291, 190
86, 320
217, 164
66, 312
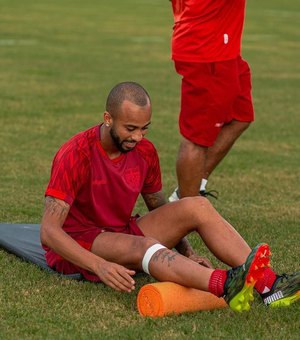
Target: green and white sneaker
238, 290
285, 291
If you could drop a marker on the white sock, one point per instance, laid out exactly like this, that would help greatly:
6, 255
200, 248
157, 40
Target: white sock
203, 184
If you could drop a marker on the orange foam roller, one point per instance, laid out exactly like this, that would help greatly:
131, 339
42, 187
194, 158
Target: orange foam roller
163, 298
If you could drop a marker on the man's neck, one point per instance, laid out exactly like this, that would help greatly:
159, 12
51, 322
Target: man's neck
107, 143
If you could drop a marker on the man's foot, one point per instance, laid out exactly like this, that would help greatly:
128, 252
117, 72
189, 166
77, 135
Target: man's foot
238, 290
213, 193
285, 291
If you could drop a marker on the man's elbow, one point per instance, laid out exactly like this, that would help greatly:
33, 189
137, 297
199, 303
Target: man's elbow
45, 235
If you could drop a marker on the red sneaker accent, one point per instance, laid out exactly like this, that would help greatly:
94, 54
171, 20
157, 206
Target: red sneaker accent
267, 280
259, 264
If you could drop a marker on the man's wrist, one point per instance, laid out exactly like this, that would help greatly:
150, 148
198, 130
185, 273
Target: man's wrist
184, 248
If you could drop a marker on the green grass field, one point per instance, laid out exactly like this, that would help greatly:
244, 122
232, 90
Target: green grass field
58, 60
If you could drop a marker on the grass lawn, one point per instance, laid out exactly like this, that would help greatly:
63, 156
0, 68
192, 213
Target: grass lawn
58, 60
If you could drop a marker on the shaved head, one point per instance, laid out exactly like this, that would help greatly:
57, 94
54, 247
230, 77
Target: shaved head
130, 91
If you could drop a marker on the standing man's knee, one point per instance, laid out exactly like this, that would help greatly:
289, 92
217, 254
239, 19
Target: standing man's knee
188, 147
241, 126
245, 125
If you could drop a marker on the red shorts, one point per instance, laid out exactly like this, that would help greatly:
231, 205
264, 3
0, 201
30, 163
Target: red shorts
86, 239
213, 94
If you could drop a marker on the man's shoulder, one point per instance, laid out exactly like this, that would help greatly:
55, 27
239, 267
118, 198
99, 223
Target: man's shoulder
81, 142
145, 145
147, 150
86, 137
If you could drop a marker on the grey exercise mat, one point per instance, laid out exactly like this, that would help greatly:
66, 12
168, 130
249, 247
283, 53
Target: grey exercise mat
23, 240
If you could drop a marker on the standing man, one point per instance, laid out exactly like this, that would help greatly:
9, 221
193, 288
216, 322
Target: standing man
88, 226
216, 101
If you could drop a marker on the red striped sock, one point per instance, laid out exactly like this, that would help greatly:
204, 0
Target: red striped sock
266, 282
217, 282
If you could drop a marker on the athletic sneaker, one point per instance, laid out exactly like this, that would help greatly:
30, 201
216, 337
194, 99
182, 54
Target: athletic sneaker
238, 290
213, 193
174, 197
285, 291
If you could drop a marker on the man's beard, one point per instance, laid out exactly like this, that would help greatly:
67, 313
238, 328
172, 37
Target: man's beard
118, 142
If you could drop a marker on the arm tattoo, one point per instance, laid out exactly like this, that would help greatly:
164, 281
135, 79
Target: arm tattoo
155, 200
164, 255
56, 208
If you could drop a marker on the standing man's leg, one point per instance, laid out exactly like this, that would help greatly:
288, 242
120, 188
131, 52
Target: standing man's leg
203, 148
196, 162
224, 142
242, 114
190, 168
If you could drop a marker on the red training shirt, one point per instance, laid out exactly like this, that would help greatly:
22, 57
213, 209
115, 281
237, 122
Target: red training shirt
207, 30
102, 192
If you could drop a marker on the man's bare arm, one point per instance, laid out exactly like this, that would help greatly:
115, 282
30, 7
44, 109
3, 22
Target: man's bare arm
184, 247
56, 209
155, 200
53, 235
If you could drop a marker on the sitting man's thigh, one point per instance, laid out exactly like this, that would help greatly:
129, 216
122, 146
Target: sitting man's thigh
124, 249
171, 222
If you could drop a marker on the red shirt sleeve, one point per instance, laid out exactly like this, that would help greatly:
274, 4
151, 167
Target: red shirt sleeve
69, 172
153, 182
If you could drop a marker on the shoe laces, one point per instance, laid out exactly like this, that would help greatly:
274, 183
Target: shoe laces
212, 193
233, 272
283, 277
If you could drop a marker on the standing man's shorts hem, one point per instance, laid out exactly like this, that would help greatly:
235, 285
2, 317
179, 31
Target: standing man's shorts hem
86, 239
212, 95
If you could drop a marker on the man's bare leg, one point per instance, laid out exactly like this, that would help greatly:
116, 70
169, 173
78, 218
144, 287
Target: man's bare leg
195, 162
165, 265
190, 168
167, 225
224, 142
171, 222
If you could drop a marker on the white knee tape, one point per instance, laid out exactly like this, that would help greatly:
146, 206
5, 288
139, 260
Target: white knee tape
149, 253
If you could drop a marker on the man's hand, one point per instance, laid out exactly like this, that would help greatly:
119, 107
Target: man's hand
184, 248
116, 276
201, 260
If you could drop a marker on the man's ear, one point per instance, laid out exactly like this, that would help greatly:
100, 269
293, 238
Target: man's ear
107, 119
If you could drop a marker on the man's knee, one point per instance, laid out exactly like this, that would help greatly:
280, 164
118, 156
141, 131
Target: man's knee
191, 149
140, 248
148, 256
240, 126
194, 203
245, 125
145, 243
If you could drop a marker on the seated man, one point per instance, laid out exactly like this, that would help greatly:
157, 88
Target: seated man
87, 225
